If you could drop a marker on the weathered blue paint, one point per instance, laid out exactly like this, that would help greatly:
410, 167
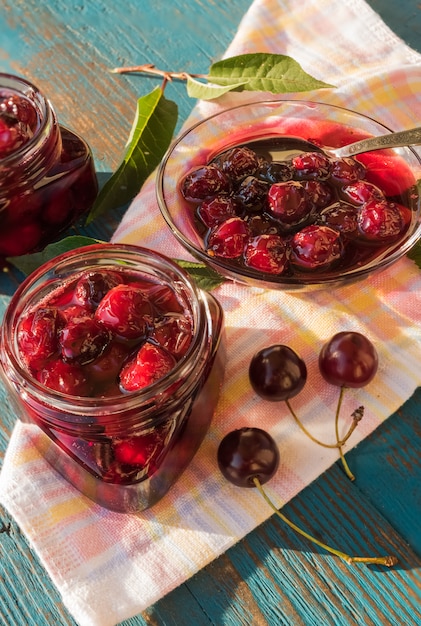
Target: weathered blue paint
273, 577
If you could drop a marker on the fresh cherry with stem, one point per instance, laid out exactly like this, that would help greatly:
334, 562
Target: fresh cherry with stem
348, 359
277, 373
249, 457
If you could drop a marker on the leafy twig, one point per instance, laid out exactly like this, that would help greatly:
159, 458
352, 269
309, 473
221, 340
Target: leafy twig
156, 118
149, 68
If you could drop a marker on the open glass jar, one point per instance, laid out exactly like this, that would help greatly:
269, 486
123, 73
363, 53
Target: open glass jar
47, 175
117, 357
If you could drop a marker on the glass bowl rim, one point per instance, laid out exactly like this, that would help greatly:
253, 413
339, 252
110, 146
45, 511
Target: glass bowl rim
247, 275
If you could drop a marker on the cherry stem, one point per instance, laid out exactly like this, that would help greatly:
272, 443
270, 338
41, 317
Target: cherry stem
341, 453
149, 68
338, 443
356, 417
388, 561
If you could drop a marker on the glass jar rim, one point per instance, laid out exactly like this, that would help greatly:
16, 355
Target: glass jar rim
45, 114
188, 368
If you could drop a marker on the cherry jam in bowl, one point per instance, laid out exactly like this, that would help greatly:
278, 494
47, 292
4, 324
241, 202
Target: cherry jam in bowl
246, 195
114, 358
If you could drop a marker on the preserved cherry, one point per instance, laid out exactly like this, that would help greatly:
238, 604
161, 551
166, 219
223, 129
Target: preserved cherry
333, 215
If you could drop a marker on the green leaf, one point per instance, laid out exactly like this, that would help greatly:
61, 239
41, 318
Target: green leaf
276, 73
415, 254
205, 277
150, 136
206, 91
27, 263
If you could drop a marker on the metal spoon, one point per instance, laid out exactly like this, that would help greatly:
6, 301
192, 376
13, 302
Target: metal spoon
411, 137
283, 147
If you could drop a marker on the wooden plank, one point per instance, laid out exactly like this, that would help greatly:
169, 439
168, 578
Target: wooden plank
276, 577
27, 595
388, 469
404, 18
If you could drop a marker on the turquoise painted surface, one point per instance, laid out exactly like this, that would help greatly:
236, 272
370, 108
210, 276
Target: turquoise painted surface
273, 576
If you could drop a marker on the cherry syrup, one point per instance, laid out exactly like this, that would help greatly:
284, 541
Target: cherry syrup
269, 206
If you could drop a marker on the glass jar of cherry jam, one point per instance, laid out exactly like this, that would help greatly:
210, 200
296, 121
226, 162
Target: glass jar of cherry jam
115, 358
47, 175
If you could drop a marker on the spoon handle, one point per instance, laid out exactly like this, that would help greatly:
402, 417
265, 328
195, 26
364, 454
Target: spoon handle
410, 137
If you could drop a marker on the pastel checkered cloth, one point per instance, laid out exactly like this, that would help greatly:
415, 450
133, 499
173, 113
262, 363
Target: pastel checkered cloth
110, 566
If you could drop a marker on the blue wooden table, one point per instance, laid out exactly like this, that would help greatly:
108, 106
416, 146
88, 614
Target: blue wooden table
272, 577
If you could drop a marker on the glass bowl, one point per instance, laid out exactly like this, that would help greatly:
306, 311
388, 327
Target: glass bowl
395, 172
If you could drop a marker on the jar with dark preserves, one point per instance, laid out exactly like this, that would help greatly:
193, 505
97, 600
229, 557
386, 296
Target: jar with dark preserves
47, 175
116, 358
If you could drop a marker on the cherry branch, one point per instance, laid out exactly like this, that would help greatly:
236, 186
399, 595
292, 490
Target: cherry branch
149, 68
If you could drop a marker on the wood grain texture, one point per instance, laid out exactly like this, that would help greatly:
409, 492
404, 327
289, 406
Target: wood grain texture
273, 576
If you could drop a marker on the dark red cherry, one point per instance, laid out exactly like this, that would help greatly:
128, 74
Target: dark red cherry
238, 162
217, 210
275, 172
38, 336
248, 453
18, 109
312, 165
288, 202
277, 373
228, 238
83, 339
138, 450
340, 216
68, 378
314, 247
266, 253
8, 138
149, 365
92, 287
361, 191
262, 225
249, 457
380, 220
105, 369
347, 170
348, 359
174, 334
204, 182
16, 244
126, 311
163, 298
321, 194
252, 194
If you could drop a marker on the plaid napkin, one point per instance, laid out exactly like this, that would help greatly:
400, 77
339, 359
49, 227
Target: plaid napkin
110, 566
